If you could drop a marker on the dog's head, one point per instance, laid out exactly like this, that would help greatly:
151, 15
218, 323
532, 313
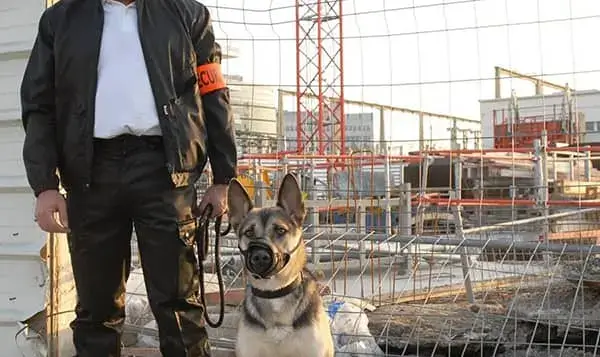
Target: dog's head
270, 238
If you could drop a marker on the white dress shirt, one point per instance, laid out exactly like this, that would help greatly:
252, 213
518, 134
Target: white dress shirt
124, 100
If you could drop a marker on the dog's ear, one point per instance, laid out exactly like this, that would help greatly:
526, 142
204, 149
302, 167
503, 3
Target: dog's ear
290, 198
238, 203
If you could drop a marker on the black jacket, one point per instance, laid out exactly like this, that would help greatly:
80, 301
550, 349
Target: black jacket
59, 87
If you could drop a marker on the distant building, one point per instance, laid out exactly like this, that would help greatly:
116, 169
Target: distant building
360, 133
253, 106
254, 113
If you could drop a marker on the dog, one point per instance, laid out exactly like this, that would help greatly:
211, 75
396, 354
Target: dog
282, 312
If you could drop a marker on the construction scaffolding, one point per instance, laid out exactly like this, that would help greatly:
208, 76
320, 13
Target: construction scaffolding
319, 76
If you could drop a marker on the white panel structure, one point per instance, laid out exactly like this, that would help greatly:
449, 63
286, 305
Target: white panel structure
586, 102
19, 19
253, 106
11, 73
23, 274
12, 170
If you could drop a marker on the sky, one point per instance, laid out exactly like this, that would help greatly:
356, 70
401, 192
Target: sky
431, 55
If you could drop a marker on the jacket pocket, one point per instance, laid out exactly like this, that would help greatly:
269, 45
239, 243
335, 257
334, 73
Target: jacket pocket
187, 231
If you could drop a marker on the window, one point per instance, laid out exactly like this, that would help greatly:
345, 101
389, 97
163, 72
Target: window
590, 126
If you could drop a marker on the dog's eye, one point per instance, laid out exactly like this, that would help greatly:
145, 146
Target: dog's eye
280, 231
249, 233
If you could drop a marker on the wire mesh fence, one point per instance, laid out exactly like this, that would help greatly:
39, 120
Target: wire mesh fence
449, 172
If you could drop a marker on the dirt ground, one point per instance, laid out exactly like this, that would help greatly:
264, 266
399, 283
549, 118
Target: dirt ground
544, 320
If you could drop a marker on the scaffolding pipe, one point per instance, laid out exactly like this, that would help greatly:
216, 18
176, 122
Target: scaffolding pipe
527, 221
538, 82
388, 108
467, 242
464, 257
388, 196
519, 150
338, 204
473, 202
545, 184
348, 157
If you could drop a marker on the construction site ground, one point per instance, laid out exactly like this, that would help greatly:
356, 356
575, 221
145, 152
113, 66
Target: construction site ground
538, 319
535, 320
520, 309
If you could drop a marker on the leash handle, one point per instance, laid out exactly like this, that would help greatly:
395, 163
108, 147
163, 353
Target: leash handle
202, 242
203, 227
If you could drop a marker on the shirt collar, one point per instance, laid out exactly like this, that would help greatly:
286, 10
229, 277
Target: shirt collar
116, 3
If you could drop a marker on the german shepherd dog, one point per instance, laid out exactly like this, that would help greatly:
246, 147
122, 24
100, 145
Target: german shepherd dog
282, 312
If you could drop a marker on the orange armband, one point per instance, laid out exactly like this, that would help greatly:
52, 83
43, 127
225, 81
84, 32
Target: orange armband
210, 78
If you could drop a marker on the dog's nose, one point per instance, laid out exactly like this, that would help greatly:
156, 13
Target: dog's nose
260, 261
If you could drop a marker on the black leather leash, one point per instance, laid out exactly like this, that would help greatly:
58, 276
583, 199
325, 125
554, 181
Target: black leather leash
202, 242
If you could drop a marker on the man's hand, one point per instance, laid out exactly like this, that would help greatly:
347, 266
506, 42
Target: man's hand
215, 195
48, 206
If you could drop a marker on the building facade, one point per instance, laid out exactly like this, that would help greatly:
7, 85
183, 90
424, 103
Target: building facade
360, 131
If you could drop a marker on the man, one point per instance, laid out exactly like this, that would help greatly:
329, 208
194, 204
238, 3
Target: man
126, 101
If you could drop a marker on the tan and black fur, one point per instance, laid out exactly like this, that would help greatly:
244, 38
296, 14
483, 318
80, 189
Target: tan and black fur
292, 325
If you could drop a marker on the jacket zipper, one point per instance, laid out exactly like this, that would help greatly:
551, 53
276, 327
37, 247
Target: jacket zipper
165, 109
93, 88
168, 115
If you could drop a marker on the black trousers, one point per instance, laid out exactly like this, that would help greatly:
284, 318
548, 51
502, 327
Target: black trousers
132, 187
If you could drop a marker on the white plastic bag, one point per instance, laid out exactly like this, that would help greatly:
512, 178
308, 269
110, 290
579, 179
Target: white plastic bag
137, 311
350, 330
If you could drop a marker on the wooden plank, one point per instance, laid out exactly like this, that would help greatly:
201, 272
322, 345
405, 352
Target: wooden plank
453, 290
61, 298
574, 235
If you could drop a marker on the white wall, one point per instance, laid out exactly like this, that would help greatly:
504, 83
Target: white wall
11, 71
22, 271
19, 20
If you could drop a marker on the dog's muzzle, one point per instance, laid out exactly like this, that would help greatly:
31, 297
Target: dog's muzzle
263, 261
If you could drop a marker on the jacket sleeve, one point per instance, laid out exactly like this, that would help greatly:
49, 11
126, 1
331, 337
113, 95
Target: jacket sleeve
221, 146
38, 112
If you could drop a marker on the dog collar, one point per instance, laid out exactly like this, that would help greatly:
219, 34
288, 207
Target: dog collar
274, 294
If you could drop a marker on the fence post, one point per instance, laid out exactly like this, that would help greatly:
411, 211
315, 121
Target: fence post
256, 179
388, 193
588, 166
312, 214
458, 222
405, 218
541, 181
